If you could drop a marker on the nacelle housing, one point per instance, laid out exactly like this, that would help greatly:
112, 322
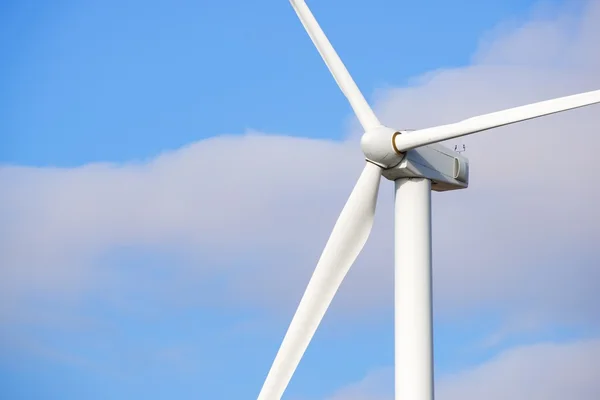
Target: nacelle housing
446, 169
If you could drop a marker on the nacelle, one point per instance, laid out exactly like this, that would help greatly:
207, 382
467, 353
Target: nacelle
446, 169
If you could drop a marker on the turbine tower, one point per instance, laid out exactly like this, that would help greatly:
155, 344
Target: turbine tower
417, 164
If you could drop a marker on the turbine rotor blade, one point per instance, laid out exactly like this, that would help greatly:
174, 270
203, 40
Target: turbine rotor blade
349, 235
422, 137
361, 108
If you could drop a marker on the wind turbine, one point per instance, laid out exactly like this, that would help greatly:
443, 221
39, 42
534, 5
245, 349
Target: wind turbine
417, 164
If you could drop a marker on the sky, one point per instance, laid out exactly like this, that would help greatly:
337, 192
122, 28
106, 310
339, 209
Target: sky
170, 172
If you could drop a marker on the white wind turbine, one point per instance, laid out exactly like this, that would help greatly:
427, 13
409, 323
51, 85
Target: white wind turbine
417, 164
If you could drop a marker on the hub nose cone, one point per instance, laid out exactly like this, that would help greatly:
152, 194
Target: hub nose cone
378, 147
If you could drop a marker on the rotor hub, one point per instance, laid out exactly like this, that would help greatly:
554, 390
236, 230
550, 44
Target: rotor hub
378, 147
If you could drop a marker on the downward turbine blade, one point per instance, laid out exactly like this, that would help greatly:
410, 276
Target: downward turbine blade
345, 243
361, 108
422, 137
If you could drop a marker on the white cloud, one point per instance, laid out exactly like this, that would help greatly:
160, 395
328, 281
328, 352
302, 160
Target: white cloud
258, 208
545, 371
377, 385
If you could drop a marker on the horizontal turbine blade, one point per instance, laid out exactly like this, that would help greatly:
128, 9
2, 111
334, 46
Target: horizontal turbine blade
349, 235
422, 137
361, 108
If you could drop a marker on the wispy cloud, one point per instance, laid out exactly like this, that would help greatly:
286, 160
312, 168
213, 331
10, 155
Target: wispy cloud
541, 371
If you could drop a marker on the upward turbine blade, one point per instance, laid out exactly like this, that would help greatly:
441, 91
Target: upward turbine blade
361, 108
422, 137
345, 243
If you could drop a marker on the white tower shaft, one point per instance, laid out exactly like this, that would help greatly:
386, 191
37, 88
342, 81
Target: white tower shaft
413, 300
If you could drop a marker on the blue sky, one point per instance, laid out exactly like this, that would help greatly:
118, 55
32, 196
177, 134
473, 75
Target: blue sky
114, 289
114, 81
